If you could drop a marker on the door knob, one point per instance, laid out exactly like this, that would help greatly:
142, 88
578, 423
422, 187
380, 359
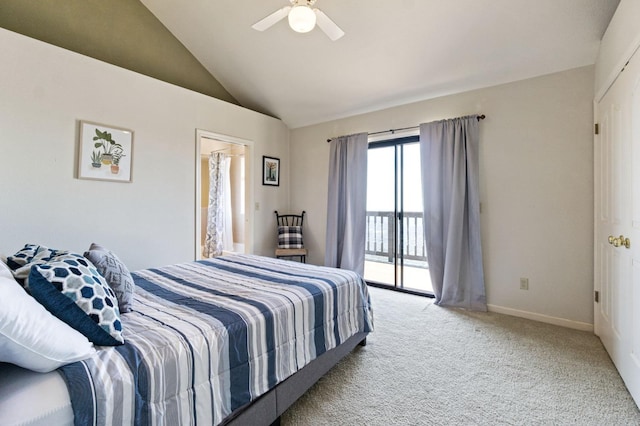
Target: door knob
625, 242
620, 241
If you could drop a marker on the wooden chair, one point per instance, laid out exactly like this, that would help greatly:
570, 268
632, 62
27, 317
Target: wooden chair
290, 242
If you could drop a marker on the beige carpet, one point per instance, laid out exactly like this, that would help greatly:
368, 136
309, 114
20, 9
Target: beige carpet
427, 365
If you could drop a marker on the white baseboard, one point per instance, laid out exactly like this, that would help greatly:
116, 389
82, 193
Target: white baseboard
563, 322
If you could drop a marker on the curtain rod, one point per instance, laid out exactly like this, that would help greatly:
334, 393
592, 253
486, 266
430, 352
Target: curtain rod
479, 117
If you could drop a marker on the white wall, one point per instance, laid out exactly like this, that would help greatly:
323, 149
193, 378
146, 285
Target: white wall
45, 90
536, 187
621, 39
536, 170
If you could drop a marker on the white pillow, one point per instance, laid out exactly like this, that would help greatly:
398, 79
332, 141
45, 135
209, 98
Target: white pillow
4, 269
30, 336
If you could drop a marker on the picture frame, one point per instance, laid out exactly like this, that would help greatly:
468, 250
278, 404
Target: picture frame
105, 152
270, 171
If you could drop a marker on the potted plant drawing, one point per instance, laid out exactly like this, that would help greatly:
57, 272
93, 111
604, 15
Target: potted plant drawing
116, 155
108, 145
96, 159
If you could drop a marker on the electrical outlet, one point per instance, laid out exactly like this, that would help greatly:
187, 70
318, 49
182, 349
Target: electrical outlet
524, 283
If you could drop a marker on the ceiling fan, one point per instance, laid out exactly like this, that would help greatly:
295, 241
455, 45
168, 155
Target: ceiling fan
302, 18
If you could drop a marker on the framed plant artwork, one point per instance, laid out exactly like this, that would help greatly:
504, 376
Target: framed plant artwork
270, 171
105, 152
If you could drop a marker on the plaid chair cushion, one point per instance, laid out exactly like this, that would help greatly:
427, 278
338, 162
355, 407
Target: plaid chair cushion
289, 237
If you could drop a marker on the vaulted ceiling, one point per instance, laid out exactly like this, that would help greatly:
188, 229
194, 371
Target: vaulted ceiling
394, 51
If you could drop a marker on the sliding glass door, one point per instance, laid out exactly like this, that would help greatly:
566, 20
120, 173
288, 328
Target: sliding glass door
395, 254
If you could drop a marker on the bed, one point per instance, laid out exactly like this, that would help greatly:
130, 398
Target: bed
231, 340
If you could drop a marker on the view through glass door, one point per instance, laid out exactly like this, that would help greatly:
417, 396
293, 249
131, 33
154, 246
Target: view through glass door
395, 252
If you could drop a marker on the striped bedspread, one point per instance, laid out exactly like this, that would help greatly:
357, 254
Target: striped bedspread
208, 337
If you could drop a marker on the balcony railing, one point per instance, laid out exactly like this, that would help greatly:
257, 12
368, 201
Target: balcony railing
381, 235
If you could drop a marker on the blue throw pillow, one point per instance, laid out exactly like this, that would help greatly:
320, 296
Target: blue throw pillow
22, 256
71, 288
31, 254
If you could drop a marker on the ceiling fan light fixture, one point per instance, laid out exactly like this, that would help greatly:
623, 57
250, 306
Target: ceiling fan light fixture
302, 19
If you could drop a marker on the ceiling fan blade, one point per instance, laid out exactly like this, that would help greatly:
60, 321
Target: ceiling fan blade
328, 26
271, 19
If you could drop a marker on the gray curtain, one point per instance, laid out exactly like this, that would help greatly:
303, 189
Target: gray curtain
451, 197
214, 241
347, 203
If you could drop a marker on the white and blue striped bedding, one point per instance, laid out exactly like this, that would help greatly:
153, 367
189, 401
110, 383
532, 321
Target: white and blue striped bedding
208, 337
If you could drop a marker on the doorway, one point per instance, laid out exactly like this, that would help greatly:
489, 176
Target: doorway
232, 195
395, 254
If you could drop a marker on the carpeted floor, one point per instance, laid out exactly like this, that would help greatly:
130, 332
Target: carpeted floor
427, 365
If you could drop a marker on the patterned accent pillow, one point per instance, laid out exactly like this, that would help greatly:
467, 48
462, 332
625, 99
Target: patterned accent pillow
31, 254
289, 237
115, 272
71, 288
30, 336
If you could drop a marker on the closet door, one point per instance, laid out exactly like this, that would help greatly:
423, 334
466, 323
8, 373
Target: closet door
617, 224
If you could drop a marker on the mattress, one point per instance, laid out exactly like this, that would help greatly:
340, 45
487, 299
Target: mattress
34, 399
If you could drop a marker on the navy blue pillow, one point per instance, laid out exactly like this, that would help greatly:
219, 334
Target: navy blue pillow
71, 288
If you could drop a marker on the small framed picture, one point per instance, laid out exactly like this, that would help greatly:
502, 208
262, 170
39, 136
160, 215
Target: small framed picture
105, 152
270, 171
